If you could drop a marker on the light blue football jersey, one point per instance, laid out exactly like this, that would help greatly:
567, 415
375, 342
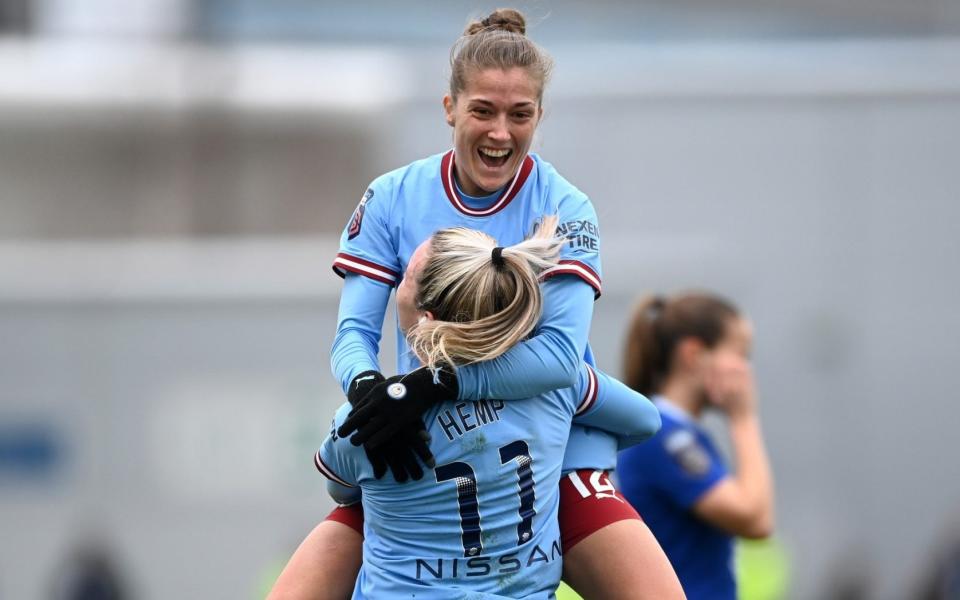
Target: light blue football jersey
483, 522
406, 206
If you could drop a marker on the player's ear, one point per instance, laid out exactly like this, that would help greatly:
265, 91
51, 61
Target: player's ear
425, 316
448, 106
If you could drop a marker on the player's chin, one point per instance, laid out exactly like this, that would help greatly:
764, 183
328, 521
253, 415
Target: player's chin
494, 178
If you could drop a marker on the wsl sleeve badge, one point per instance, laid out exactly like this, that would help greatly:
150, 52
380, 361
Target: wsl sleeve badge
692, 457
357, 220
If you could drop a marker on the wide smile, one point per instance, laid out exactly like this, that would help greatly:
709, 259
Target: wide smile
494, 158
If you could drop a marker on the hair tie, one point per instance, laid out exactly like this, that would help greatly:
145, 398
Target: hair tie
656, 307
497, 256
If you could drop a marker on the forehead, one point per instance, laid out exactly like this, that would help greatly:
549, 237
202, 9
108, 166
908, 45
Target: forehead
512, 86
417, 259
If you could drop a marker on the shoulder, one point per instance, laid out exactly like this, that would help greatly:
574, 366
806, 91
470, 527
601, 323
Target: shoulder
675, 431
556, 184
401, 185
338, 418
688, 449
341, 415
337, 443
337, 459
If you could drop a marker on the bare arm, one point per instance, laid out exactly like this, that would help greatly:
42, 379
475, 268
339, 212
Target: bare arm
741, 504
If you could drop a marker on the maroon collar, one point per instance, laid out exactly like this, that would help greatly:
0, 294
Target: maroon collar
508, 194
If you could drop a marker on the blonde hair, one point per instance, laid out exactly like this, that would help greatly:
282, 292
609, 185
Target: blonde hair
481, 307
498, 41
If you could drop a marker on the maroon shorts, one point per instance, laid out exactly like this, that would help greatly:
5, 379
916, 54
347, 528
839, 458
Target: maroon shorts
588, 503
351, 516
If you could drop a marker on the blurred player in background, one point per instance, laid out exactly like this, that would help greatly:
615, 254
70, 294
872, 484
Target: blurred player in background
688, 353
488, 181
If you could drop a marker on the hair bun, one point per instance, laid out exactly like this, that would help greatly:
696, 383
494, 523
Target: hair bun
502, 19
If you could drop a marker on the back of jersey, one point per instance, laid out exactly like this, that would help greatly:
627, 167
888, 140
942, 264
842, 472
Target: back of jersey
483, 523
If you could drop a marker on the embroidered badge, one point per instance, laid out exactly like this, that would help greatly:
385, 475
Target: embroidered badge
357, 220
688, 452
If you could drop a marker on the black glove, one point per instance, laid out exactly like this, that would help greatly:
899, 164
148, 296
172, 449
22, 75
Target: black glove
396, 403
361, 386
400, 456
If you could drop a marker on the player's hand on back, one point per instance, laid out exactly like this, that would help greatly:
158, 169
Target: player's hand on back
394, 404
400, 455
387, 420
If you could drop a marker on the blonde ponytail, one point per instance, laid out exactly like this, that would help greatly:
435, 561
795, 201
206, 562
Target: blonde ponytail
481, 307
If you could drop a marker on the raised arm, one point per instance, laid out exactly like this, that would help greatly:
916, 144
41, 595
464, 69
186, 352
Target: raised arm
742, 503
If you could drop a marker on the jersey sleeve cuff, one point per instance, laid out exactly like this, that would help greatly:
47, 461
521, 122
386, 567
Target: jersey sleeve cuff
345, 263
578, 269
329, 473
589, 394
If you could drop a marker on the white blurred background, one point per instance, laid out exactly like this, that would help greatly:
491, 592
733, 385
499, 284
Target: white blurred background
174, 175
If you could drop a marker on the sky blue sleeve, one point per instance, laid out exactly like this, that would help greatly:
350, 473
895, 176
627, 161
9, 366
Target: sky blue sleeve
619, 410
580, 256
549, 361
367, 244
363, 303
338, 459
367, 260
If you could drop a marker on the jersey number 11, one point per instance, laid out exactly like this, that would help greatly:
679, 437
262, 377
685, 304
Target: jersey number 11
463, 475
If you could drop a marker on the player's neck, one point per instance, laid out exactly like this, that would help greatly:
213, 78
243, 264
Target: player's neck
482, 200
682, 394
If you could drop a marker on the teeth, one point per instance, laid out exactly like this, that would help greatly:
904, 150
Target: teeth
494, 153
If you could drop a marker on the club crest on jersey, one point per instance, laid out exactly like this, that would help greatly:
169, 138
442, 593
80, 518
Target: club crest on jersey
357, 220
688, 452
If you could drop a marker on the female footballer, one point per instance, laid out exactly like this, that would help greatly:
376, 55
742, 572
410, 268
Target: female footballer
488, 181
690, 352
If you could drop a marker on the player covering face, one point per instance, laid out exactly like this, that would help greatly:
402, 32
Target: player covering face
691, 352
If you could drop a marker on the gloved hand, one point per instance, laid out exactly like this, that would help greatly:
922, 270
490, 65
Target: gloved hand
399, 455
396, 403
361, 385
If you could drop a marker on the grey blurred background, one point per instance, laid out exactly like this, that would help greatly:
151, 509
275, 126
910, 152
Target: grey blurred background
174, 175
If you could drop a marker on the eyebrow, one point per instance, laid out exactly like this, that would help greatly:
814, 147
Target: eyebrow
517, 105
